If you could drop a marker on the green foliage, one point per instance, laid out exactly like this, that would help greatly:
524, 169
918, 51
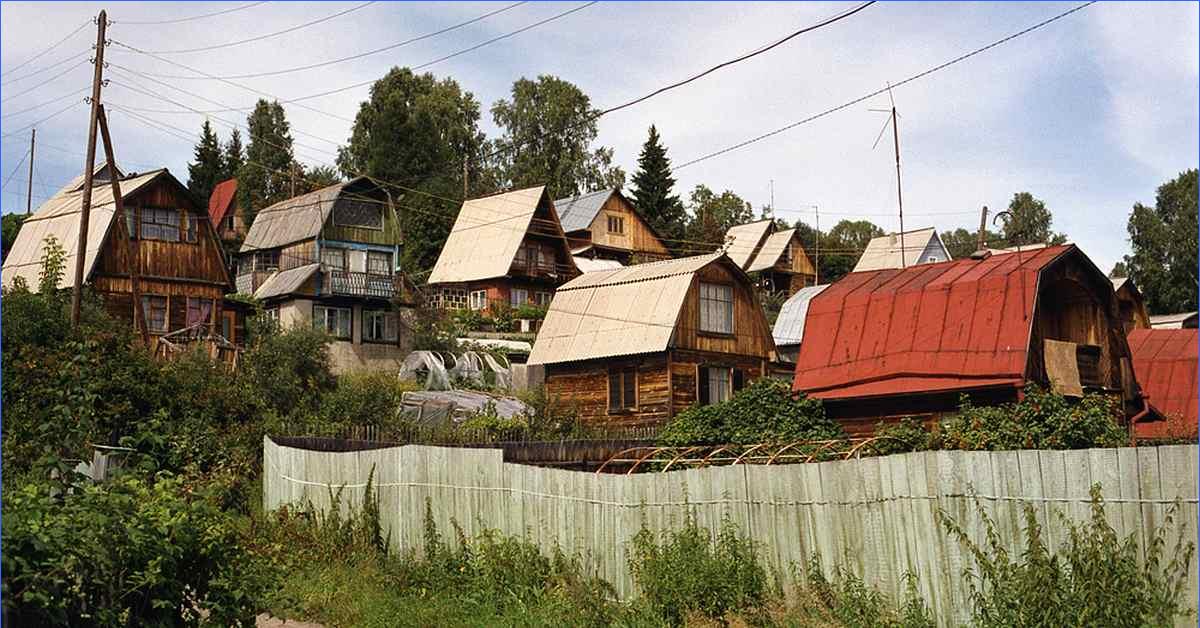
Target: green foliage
208, 167
961, 243
1118, 271
712, 214
289, 368
1041, 420
530, 311
364, 398
234, 156
1094, 579
264, 178
11, 225
1029, 222
688, 571
54, 265
128, 553
907, 434
845, 242
437, 330
503, 317
653, 193
319, 177
764, 411
1163, 239
552, 124
848, 601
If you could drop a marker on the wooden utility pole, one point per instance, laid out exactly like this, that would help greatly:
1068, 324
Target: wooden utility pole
89, 166
465, 195
29, 188
899, 195
817, 262
982, 238
292, 180
135, 260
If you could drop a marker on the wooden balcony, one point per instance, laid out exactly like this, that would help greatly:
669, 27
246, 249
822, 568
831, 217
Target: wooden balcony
358, 284
548, 270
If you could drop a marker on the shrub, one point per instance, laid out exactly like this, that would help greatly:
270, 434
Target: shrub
764, 411
1041, 420
1095, 579
289, 368
689, 572
365, 398
848, 601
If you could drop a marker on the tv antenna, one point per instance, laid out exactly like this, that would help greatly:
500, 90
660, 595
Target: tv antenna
893, 120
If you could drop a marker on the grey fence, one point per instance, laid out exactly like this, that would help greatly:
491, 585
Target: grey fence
876, 516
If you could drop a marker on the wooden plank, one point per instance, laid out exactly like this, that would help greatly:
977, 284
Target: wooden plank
1054, 487
1078, 475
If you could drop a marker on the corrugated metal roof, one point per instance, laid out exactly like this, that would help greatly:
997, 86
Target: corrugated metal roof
589, 265
789, 326
946, 326
1165, 362
486, 236
285, 282
884, 251
769, 254
298, 218
624, 311
741, 241
1173, 321
221, 200
578, 212
59, 217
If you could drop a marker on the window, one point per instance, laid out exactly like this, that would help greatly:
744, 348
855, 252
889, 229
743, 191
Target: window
616, 224
155, 310
227, 326
191, 228
335, 320
477, 300
452, 299
718, 383
273, 314
358, 213
198, 311
379, 263
266, 260
716, 308
542, 298
1087, 360
227, 223
333, 259
380, 326
518, 297
160, 224
622, 389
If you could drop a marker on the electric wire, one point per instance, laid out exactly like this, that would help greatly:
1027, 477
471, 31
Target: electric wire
48, 102
186, 19
47, 68
9, 97
51, 116
52, 47
248, 40
15, 170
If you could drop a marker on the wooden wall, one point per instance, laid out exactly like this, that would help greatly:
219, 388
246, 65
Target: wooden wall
583, 386
752, 335
638, 238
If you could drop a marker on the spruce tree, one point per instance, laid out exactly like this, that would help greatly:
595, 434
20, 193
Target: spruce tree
264, 179
652, 185
235, 156
207, 170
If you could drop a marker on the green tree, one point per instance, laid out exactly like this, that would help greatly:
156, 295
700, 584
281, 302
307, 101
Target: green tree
845, 242
1118, 271
235, 156
416, 131
711, 215
1029, 222
1163, 239
11, 225
208, 167
264, 179
652, 192
962, 243
550, 125
318, 177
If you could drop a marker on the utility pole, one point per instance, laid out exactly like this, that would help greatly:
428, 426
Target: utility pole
982, 244
772, 198
817, 262
464, 179
135, 261
29, 188
89, 167
899, 196
292, 180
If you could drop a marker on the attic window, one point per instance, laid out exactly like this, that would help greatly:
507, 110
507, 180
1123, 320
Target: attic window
355, 213
616, 224
716, 308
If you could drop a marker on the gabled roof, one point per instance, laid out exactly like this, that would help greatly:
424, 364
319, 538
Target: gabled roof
789, 325
955, 325
222, 200
742, 241
884, 251
589, 265
774, 246
285, 282
1182, 320
295, 219
1165, 362
623, 311
578, 212
59, 217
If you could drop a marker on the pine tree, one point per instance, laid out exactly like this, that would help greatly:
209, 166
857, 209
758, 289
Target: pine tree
235, 156
264, 179
208, 168
652, 184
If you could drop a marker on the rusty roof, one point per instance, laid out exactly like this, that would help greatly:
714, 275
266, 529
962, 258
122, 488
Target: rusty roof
1164, 361
221, 200
955, 325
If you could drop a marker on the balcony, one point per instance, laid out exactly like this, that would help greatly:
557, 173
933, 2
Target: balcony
359, 284
546, 270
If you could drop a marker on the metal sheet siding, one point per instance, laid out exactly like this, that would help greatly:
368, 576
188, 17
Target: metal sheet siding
935, 327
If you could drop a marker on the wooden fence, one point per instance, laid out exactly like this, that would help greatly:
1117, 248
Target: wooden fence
876, 516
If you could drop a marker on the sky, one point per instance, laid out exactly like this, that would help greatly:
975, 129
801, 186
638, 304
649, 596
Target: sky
1090, 113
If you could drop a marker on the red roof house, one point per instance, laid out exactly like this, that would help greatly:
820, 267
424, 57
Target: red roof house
908, 342
223, 211
1165, 363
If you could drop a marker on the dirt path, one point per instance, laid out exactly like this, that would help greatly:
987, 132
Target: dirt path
266, 621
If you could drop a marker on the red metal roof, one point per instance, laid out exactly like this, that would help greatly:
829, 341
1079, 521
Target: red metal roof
956, 325
1164, 361
221, 200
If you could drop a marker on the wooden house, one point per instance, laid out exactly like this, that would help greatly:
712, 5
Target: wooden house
163, 240
773, 257
907, 342
895, 250
503, 249
605, 225
788, 330
1165, 361
1182, 320
636, 345
329, 258
226, 214
1133, 305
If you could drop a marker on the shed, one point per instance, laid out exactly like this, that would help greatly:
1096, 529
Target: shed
921, 246
635, 345
1165, 361
908, 342
789, 325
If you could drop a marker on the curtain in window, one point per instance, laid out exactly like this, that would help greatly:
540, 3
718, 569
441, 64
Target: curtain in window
198, 311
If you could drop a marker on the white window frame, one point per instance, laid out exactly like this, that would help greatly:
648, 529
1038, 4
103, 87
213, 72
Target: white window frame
328, 253
512, 297
716, 308
323, 320
376, 256
385, 322
477, 300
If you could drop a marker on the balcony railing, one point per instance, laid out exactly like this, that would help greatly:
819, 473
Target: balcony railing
357, 284
526, 268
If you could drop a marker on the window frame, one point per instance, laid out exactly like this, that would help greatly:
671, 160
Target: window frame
735, 380
341, 205
188, 310
338, 251
368, 326
148, 309
541, 298
323, 321
619, 221
386, 256
701, 301
626, 381
512, 297
481, 295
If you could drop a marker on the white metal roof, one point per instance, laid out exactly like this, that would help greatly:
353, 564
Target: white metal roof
742, 240
578, 212
769, 254
589, 265
789, 326
285, 282
1172, 321
59, 218
624, 311
486, 236
884, 251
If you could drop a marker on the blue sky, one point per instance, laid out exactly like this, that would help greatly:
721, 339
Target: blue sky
1090, 113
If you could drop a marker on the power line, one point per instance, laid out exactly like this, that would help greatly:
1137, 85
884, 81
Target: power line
187, 19
877, 92
53, 115
266, 36
343, 59
52, 46
14, 172
49, 80
47, 68
48, 102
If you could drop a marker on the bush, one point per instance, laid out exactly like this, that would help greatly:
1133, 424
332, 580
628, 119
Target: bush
127, 553
1041, 420
1095, 579
289, 368
764, 411
689, 572
365, 398
848, 601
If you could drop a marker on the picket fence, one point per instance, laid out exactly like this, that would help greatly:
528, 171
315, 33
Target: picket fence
876, 516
